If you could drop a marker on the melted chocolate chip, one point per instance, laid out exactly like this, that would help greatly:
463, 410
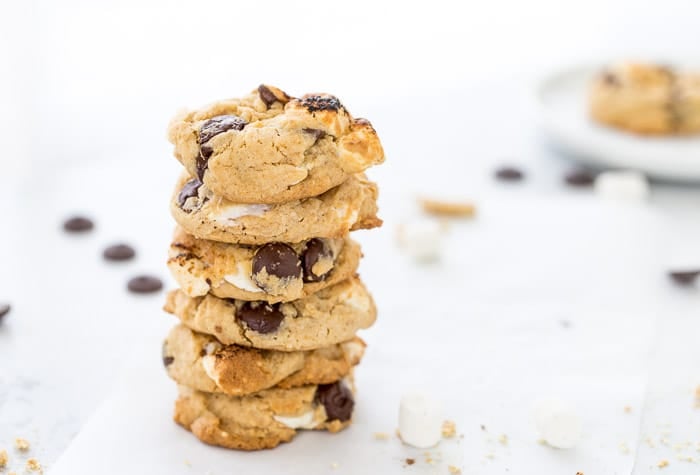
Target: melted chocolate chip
218, 125
4, 309
144, 284
260, 317
168, 360
266, 95
337, 399
509, 174
119, 252
321, 103
316, 250
278, 260
579, 178
78, 224
684, 277
317, 133
190, 189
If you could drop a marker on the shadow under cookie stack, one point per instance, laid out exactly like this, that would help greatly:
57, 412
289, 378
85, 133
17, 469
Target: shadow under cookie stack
269, 300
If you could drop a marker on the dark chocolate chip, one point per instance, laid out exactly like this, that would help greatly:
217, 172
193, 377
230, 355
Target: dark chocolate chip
218, 125
168, 360
337, 399
317, 133
361, 121
509, 174
579, 178
611, 79
321, 103
78, 224
410, 461
267, 96
4, 309
278, 259
190, 189
686, 277
316, 249
261, 317
119, 252
144, 284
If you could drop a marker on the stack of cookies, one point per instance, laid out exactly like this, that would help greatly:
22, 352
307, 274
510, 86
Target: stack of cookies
269, 300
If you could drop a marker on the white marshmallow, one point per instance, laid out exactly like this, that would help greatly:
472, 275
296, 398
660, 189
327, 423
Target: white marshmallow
623, 186
230, 213
241, 278
421, 239
420, 420
557, 423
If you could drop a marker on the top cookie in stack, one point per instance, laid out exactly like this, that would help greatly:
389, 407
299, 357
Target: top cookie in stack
269, 300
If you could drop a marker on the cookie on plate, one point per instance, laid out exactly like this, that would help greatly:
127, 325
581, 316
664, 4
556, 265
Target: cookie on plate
265, 419
268, 147
274, 272
327, 317
347, 207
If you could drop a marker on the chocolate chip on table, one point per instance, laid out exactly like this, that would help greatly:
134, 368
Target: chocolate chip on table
316, 250
337, 399
277, 259
579, 178
508, 173
4, 309
119, 252
260, 317
78, 224
190, 190
686, 277
144, 284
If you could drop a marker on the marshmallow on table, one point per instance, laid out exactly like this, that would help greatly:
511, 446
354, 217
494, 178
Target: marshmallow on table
623, 186
421, 238
557, 423
420, 420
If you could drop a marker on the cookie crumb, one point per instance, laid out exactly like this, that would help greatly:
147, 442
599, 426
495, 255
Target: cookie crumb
449, 429
3, 458
410, 461
697, 397
686, 458
662, 464
335, 465
381, 436
33, 465
627, 409
579, 473
21, 444
503, 439
454, 470
188, 463
624, 448
448, 208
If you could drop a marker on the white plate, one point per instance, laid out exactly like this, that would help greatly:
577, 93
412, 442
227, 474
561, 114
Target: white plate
562, 98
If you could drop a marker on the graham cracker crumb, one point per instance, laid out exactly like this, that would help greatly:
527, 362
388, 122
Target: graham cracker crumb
410, 461
454, 470
628, 409
541, 441
449, 429
381, 436
446, 208
3, 458
33, 465
662, 464
21, 444
503, 439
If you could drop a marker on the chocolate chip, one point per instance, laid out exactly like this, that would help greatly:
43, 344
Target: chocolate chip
144, 284
687, 277
261, 317
611, 79
317, 133
267, 96
190, 189
278, 260
579, 178
203, 160
321, 103
119, 252
4, 309
78, 224
337, 399
508, 173
410, 461
316, 250
168, 360
218, 125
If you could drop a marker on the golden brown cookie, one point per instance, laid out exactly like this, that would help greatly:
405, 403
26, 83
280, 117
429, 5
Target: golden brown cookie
265, 419
267, 147
350, 206
329, 316
201, 362
274, 272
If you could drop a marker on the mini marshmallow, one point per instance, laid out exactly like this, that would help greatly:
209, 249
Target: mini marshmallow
622, 186
557, 423
420, 421
421, 239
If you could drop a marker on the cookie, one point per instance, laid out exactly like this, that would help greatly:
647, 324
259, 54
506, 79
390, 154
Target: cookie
201, 362
647, 99
327, 317
265, 419
347, 207
268, 147
274, 272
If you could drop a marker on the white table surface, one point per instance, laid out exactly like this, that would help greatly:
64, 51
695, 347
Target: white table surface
538, 254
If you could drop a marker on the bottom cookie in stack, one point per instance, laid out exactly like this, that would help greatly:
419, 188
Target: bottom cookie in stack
267, 418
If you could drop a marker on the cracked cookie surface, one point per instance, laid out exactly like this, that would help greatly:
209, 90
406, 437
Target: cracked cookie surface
268, 147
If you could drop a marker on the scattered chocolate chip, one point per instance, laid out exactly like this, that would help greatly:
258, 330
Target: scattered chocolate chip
337, 399
190, 189
78, 224
684, 277
317, 133
218, 125
321, 103
278, 260
144, 284
316, 250
168, 360
4, 309
267, 96
509, 174
579, 178
260, 317
410, 461
119, 252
